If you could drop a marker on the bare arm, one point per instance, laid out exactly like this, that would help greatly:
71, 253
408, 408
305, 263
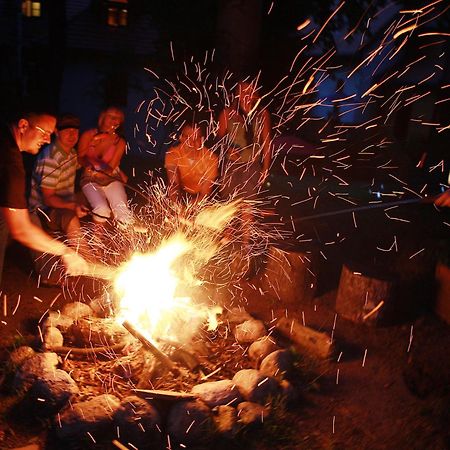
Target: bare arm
83, 143
115, 159
223, 123
28, 234
55, 201
266, 137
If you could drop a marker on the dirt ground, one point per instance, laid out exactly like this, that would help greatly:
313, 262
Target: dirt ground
386, 387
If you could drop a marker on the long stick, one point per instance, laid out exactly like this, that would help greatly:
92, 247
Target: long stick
366, 207
153, 349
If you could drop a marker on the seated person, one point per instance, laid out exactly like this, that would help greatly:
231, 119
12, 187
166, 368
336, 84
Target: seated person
443, 199
52, 200
191, 167
100, 151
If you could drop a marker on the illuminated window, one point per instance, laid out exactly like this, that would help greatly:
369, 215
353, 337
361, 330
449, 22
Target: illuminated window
117, 13
31, 8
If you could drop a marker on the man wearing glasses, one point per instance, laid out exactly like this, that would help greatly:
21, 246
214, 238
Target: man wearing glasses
27, 134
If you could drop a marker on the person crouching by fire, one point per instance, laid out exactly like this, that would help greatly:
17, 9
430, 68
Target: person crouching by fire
27, 134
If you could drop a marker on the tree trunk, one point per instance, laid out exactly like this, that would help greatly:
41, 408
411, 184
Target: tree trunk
364, 298
238, 35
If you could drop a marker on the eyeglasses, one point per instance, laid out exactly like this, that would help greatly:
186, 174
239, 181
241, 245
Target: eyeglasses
44, 133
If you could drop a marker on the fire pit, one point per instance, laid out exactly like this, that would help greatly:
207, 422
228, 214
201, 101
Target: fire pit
156, 361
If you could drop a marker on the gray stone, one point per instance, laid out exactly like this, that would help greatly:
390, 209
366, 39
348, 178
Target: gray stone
53, 338
237, 315
227, 421
249, 331
102, 306
77, 310
51, 391
254, 386
277, 364
94, 416
139, 422
58, 320
189, 422
261, 348
215, 393
35, 367
250, 413
20, 355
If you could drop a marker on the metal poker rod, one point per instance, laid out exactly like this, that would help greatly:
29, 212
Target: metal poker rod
367, 207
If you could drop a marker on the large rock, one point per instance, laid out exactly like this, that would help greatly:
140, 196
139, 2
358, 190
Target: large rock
255, 386
215, 393
20, 355
38, 366
77, 310
227, 421
250, 413
58, 320
189, 422
237, 315
249, 331
53, 338
50, 392
93, 416
277, 364
139, 423
261, 348
102, 306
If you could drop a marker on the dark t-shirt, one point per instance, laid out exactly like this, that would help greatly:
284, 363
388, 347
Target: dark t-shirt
12, 172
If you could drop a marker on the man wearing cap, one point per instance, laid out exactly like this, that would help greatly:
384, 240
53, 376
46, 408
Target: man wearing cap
27, 134
52, 201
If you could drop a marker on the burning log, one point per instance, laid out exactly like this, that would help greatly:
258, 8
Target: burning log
162, 357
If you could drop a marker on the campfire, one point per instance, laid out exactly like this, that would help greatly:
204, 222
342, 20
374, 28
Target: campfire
155, 362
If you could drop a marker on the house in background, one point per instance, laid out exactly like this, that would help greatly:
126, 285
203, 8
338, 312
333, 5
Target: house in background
78, 56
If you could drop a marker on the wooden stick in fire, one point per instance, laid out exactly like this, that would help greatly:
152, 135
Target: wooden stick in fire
162, 357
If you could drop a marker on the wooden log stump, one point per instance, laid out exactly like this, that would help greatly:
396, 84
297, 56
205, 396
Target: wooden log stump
442, 304
289, 276
365, 296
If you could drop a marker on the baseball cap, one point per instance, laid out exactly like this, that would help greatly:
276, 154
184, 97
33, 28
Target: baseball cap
68, 121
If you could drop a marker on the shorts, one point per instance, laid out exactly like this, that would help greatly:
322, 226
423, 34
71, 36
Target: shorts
56, 220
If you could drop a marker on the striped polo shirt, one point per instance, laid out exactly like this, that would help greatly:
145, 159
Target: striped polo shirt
54, 169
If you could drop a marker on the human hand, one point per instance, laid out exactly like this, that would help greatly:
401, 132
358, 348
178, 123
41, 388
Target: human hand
81, 211
75, 265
